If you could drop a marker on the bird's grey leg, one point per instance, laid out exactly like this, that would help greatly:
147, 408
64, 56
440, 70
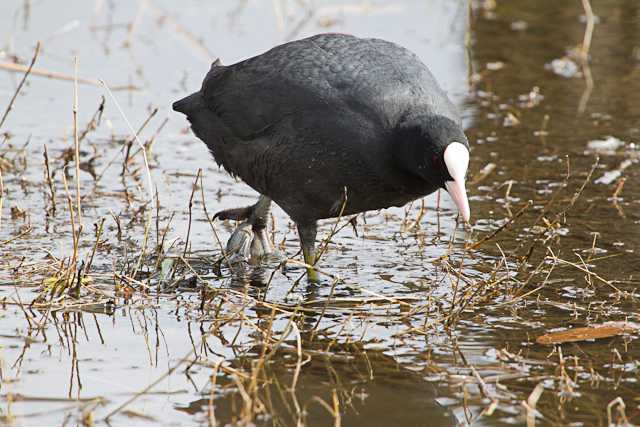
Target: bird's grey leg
250, 238
307, 232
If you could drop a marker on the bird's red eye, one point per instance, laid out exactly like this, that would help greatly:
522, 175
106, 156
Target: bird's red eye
435, 159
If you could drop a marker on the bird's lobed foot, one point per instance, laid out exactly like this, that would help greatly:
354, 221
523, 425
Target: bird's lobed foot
248, 244
261, 246
239, 244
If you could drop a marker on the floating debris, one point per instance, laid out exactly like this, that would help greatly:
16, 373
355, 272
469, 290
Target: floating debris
495, 66
605, 146
484, 172
614, 174
564, 67
510, 120
605, 330
531, 99
519, 25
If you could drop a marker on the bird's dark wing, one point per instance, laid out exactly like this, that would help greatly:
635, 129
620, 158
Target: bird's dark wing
328, 75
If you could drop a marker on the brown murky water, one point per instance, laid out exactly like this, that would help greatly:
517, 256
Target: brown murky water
418, 331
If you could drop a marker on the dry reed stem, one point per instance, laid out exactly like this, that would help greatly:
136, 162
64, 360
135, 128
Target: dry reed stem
588, 32
619, 403
95, 246
211, 415
193, 191
137, 140
583, 54
1, 197
129, 142
510, 221
17, 236
588, 272
76, 141
52, 191
28, 70
150, 193
17, 68
127, 148
74, 257
618, 188
213, 227
531, 402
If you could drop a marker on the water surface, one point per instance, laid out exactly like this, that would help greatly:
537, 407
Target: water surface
402, 338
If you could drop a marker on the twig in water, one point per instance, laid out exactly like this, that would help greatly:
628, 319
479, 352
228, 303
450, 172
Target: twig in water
52, 190
588, 32
193, 191
324, 309
502, 227
621, 407
584, 56
586, 270
24, 78
618, 189
530, 404
75, 233
95, 246
95, 120
1, 197
577, 194
127, 156
213, 228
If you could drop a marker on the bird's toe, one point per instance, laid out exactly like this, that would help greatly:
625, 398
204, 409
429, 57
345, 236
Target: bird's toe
261, 246
236, 214
239, 244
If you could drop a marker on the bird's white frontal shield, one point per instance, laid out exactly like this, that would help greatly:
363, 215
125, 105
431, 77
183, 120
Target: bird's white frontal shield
456, 159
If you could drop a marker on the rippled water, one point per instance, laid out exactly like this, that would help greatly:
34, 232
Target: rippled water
392, 343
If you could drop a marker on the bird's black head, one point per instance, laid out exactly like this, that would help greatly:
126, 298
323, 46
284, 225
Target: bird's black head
436, 149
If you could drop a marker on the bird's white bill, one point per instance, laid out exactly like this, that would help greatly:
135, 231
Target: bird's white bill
456, 158
459, 195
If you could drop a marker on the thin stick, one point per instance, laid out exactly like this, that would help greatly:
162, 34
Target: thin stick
95, 246
50, 181
17, 68
584, 56
73, 223
588, 32
213, 228
76, 141
24, 78
193, 191
502, 227
1, 197
140, 144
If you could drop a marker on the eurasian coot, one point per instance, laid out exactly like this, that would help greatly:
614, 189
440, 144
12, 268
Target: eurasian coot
326, 125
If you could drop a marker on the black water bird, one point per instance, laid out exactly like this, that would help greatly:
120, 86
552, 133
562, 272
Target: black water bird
326, 125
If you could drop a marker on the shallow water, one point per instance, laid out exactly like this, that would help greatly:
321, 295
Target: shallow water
401, 339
